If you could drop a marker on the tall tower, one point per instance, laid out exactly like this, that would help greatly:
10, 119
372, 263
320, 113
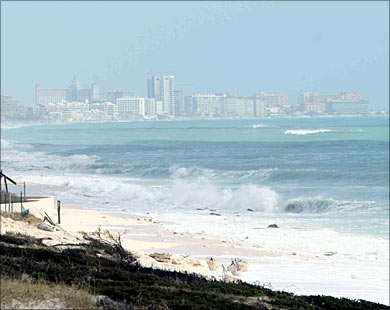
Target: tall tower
74, 89
94, 93
37, 93
260, 104
162, 88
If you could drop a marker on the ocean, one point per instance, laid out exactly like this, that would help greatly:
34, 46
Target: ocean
323, 181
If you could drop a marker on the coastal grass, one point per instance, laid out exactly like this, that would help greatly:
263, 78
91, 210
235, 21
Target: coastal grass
28, 292
16, 216
107, 269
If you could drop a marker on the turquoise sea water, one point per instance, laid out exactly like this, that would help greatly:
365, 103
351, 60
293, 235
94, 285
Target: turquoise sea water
323, 181
320, 172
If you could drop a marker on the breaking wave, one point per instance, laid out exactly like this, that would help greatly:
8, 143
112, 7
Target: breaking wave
184, 195
309, 205
305, 131
188, 187
320, 205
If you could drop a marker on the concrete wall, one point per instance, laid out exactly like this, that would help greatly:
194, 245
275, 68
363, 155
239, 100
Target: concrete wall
37, 206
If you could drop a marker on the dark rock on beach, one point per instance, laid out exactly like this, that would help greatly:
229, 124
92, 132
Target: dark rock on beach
273, 226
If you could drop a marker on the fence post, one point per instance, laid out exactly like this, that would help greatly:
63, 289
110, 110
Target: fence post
59, 211
12, 204
21, 206
5, 201
9, 201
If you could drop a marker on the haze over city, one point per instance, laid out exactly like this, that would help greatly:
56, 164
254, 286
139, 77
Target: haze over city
194, 155
212, 47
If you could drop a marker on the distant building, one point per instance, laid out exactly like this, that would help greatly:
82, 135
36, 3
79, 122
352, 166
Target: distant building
159, 108
207, 105
162, 88
113, 95
344, 103
12, 110
259, 105
269, 103
94, 96
179, 109
348, 107
230, 106
46, 96
72, 93
236, 106
350, 96
314, 102
189, 109
150, 107
73, 90
74, 111
218, 105
248, 105
136, 107
109, 108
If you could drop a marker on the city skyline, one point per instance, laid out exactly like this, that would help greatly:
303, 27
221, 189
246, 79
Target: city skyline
67, 93
210, 47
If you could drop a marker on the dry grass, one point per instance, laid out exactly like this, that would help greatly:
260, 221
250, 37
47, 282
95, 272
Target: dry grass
16, 216
27, 293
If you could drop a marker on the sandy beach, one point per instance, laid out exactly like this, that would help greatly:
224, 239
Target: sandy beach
140, 235
189, 252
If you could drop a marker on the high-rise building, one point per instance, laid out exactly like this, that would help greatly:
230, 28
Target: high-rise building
343, 103
247, 105
230, 106
266, 103
259, 105
94, 93
150, 107
350, 96
162, 88
73, 90
348, 107
133, 107
237, 106
179, 103
46, 96
72, 93
189, 109
314, 102
208, 105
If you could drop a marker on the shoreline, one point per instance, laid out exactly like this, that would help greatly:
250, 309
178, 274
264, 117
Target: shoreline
16, 124
297, 273
146, 235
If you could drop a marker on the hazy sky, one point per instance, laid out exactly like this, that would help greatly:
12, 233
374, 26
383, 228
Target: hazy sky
239, 47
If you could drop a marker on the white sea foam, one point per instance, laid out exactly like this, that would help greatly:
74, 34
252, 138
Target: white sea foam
176, 172
183, 172
259, 126
305, 131
5, 144
19, 125
187, 189
180, 194
290, 237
